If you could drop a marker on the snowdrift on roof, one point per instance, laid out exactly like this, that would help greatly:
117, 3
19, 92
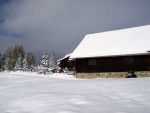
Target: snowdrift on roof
119, 42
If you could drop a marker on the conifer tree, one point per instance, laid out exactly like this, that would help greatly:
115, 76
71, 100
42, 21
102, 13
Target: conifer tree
30, 59
3, 57
25, 63
52, 61
19, 64
7, 66
9, 60
12, 60
18, 49
44, 61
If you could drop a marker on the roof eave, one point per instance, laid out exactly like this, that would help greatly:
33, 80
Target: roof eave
110, 56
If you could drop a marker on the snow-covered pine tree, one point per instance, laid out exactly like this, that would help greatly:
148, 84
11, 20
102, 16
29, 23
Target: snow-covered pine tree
25, 63
10, 61
3, 57
44, 61
52, 61
6, 65
19, 64
30, 60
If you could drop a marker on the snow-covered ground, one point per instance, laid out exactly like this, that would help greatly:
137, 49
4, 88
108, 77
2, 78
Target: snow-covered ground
32, 93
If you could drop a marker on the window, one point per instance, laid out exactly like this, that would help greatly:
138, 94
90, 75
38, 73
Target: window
92, 62
128, 60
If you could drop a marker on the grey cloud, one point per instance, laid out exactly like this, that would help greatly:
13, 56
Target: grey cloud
59, 25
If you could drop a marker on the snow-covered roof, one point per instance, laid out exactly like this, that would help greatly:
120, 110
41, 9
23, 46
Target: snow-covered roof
119, 42
66, 56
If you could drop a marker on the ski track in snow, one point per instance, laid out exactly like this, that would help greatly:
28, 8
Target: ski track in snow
33, 93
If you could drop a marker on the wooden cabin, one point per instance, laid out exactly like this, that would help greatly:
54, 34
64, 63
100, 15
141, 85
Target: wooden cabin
114, 51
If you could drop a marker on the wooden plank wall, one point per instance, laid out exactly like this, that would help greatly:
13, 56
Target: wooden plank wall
114, 64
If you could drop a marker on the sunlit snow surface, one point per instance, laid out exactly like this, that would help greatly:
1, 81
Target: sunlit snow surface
33, 93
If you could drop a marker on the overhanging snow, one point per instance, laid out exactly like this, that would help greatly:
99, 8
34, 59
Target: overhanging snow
119, 42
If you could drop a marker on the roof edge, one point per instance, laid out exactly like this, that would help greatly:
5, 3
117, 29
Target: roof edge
111, 56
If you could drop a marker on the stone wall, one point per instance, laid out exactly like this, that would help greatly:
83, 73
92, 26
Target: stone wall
111, 74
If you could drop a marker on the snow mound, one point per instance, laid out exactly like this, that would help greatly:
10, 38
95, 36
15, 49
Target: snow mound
51, 75
61, 75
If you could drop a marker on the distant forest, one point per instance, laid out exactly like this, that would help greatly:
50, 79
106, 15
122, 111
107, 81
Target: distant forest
16, 54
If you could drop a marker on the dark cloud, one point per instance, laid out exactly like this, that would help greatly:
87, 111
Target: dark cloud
59, 25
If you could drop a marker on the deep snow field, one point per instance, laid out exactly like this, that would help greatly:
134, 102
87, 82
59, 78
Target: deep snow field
60, 93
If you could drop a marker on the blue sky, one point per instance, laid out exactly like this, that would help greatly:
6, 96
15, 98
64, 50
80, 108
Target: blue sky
59, 25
